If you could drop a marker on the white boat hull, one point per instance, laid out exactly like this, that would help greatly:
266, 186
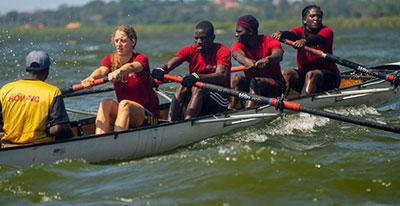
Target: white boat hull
155, 140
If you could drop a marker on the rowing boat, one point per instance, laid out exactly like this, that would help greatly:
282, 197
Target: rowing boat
168, 136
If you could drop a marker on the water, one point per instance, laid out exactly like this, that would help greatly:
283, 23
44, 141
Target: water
295, 160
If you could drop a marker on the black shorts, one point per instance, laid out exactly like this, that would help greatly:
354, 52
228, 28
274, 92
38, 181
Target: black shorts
213, 102
331, 81
270, 87
149, 118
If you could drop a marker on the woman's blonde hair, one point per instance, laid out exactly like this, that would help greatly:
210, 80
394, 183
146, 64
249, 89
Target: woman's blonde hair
131, 33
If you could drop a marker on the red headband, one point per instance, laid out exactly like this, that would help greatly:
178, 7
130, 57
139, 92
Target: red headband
246, 24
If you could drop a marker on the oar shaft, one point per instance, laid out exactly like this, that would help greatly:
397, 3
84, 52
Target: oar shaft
395, 66
294, 106
89, 91
343, 62
353, 120
357, 67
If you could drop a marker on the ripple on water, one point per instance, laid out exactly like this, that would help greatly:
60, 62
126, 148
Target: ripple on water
295, 131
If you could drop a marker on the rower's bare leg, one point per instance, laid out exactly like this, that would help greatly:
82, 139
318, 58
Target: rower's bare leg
235, 86
254, 88
175, 109
130, 113
291, 77
287, 82
312, 82
195, 103
106, 115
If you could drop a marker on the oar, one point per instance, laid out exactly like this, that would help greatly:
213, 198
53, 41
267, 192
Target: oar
238, 68
79, 86
294, 106
395, 66
72, 91
233, 69
88, 91
357, 67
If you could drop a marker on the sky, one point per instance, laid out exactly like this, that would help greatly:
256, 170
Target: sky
33, 5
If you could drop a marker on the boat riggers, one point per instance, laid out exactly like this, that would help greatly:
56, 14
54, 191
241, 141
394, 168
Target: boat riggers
294, 106
395, 79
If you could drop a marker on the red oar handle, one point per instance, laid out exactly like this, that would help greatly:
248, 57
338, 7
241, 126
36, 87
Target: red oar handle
79, 86
176, 79
344, 62
173, 78
311, 50
238, 68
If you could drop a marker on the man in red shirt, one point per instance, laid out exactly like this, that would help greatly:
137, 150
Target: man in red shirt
208, 62
262, 55
314, 74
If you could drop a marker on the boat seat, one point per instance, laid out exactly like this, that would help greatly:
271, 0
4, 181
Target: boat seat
83, 127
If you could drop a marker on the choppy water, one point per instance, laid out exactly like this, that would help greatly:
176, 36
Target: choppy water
295, 160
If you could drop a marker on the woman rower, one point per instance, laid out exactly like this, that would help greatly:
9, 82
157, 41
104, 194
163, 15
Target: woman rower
314, 74
137, 103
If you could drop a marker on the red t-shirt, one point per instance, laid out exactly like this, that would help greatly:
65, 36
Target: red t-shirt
137, 86
207, 63
307, 61
265, 47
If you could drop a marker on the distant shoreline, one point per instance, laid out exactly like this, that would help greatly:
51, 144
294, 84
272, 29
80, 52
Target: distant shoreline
272, 25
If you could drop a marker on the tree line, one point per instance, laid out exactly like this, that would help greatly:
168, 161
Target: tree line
97, 13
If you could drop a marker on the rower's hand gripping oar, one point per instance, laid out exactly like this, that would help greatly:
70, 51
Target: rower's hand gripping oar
294, 106
357, 67
79, 86
158, 82
68, 92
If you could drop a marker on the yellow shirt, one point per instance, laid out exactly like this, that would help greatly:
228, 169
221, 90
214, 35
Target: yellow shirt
26, 105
